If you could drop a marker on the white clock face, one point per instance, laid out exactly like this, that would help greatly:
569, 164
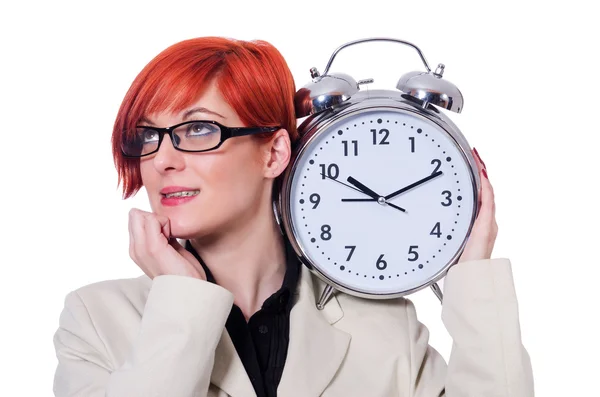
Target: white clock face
407, 236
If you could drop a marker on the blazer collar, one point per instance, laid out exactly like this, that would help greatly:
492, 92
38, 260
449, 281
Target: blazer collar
316, 348
315, 352
228, 372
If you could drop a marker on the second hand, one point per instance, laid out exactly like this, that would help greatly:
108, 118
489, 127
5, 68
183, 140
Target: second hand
345, 184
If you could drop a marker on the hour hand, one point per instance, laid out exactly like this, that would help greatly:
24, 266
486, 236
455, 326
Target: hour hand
363, 188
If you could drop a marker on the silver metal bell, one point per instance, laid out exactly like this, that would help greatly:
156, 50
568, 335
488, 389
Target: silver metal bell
323, 93
429, 87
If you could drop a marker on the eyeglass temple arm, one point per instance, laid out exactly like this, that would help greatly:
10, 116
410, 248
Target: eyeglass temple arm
251, 130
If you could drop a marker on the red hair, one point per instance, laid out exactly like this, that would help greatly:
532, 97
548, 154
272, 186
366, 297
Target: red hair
252, 76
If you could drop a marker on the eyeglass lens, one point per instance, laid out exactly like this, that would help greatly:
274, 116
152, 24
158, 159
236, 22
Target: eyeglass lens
194, 136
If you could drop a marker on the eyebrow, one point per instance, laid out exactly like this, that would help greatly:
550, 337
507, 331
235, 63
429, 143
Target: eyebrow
144, 120
200, 110
186, 115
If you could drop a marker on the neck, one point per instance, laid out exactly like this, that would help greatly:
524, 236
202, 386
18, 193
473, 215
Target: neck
248, 261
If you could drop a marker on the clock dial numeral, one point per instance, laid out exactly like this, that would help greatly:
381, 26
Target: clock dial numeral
412, 251
315, 199
436, 231
383, 141
438, 164
381, 264
412, 144
333, 171
351, 248
448, 201
325, 232
354, 143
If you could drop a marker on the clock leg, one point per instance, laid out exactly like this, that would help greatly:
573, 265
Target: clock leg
437, 291
327, 292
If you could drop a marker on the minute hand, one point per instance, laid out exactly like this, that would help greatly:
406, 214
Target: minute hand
412, 185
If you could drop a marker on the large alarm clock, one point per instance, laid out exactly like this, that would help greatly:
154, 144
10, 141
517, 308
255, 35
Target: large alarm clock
382, 190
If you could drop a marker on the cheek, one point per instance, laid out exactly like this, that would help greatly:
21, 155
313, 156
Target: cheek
146, 172
234, 175
150, 178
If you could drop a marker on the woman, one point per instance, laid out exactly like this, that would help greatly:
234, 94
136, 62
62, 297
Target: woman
230, 311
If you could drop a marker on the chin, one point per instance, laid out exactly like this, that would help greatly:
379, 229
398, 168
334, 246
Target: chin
184, 221
186, 227
194, 221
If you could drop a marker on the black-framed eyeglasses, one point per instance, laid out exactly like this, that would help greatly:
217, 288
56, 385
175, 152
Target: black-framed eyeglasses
190, 136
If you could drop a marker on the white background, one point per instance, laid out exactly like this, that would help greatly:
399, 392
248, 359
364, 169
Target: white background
528, 71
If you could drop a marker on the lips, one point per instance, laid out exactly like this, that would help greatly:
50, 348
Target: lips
177, 195
177, 189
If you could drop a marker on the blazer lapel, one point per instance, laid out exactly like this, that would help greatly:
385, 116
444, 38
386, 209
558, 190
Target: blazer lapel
228, 372
316, 348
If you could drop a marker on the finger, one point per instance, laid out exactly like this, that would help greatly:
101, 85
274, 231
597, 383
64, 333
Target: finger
136, 240
483, 226
478, 157
480, 167
177, 246
487, 187
188, 256
133, 218
139, 239
165, 225
480, 164
478, 161
155, 239
129, 229
181, 250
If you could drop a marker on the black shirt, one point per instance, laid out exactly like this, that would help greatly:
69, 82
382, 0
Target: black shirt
262, 342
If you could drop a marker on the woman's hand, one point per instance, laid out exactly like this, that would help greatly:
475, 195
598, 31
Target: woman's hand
155, 252
484, 232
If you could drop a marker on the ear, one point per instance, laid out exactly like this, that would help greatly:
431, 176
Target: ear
278, 154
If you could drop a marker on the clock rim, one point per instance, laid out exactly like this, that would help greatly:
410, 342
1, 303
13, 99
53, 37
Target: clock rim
311, 129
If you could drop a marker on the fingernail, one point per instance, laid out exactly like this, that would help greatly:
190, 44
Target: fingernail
479, 157
485, 173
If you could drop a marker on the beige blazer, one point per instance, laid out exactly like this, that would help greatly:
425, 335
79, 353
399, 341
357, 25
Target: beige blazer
166, 337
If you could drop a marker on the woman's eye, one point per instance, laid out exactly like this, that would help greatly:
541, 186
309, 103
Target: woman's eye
196, 129
150, 136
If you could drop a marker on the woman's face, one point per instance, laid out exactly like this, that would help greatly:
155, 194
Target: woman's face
228, 182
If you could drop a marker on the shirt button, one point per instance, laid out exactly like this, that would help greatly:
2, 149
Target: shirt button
263, 329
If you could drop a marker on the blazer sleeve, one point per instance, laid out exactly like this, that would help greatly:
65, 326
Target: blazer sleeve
173, 354
480, 312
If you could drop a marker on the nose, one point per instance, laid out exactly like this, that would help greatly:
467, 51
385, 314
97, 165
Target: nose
168, 158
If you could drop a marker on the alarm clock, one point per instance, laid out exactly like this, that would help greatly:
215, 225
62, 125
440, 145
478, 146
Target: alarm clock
382, 190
